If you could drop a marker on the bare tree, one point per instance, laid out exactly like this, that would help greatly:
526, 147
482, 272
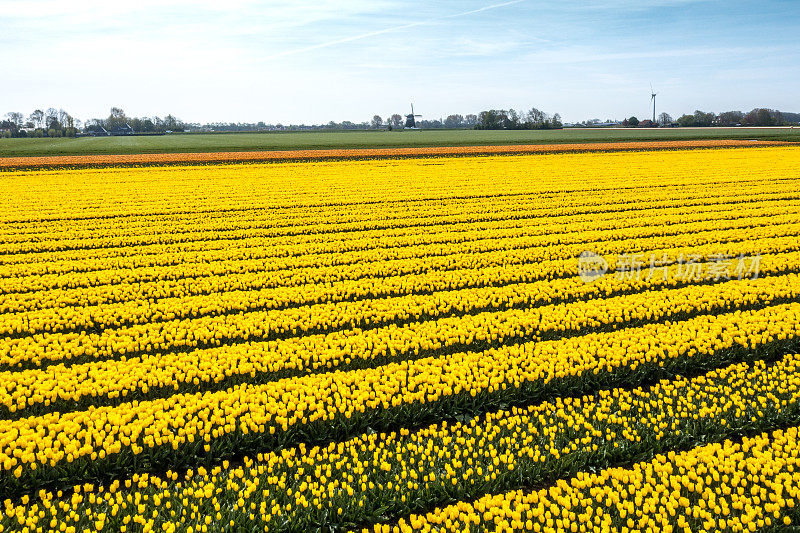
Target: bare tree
37, 117
664, 119
762, 117
535, 117
454, 121
16, 118
116, 118
377, 122
396, 120
65, 119
730, 118
51, 118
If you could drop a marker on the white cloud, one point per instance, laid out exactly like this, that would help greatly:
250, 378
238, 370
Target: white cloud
390, 29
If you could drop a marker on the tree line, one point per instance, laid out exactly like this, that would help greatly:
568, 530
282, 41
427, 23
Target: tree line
493, 119
118, 119
50, 123
533, 119
758, 117
59, 123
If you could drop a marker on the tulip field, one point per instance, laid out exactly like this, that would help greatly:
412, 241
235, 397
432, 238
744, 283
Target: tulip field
574, 341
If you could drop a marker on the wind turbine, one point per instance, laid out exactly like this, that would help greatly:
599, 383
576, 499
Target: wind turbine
653, 98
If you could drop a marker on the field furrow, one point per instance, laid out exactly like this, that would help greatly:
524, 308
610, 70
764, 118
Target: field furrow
276, 247
747, 486
62, 388
403, 472
184, 428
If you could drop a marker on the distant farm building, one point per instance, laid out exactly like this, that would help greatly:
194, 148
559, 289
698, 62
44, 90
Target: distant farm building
99, 131
124, 129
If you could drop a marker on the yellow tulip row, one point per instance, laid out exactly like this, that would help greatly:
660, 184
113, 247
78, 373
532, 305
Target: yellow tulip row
727, 486
187, 423
391, 474
266, 224
94, 382
248, 217
311, 263
701, 202
81, 193
293, 286
633, 200
304, 233
553, 198
298, 244
344, 305
182, 281
481, 253
380, 246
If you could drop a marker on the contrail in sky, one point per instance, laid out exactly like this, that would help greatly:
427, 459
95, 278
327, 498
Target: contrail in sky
387, 30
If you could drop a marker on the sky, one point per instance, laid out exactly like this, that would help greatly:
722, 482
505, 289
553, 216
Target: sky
313, 61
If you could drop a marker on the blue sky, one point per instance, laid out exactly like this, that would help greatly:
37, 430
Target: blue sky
318, 60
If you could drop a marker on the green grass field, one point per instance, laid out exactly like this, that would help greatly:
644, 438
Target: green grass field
232, 142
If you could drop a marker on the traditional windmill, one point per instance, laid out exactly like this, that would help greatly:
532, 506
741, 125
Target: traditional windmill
411, 122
